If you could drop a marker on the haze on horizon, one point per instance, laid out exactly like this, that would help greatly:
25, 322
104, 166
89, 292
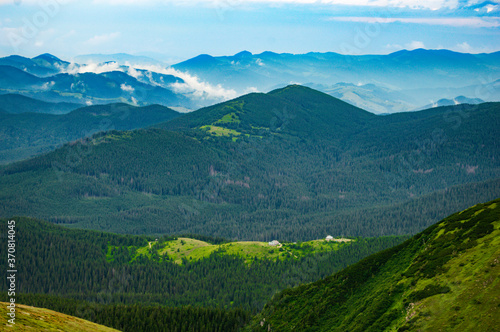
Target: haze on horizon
175, 30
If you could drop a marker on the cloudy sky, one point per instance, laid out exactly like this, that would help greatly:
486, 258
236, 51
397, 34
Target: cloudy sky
174, 30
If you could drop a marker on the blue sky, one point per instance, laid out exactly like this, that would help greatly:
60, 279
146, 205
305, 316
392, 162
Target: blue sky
174, 30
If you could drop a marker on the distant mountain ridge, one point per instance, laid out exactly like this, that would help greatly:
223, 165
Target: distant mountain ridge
28, 134
400, 73
396, 82
14, 103
455, 101
120, 58
291, 164
90, 88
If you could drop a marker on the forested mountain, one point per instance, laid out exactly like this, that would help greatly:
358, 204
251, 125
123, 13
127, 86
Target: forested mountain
14, 103
27, 134
293, 164
121, 280
443, 279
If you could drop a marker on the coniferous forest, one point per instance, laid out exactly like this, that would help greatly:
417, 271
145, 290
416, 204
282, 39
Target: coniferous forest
70, 271
146, 219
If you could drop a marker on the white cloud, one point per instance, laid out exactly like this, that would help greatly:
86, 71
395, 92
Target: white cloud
101, 39
491, 8
192, 85
132, 72
259, 62
250, 90
464, 47
31, 2
414, 45
222, 4
95, 68
47, 86
415, 4
473, 22
127, 88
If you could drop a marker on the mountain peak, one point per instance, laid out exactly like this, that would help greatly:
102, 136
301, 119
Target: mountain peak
243, 54
47, 56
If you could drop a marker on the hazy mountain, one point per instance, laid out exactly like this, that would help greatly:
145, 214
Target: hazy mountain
455, 101
370, 97
292, 164
42, 65
92, 88
14, 103
404, 69
120, 58
484, 90
28, 134
444, 278
422, 72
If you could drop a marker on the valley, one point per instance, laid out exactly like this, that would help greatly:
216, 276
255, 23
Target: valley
294, 164
265, 191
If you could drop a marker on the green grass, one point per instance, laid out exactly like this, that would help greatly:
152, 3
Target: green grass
443, 279
39, 319
194, 250
220, 131
474, 283
229, 118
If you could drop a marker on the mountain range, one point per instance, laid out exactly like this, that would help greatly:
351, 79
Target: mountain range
293, 209
396, 82
88, 88
400, 81
16, 104
294, 163
29, 134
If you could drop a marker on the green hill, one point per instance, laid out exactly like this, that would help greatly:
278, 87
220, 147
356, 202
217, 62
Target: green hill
443, 279
28, 134
13, 103
295, 110
294, 164
39, 319
65, 269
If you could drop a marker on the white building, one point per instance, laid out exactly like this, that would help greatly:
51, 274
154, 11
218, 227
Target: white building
329, 238
274, 243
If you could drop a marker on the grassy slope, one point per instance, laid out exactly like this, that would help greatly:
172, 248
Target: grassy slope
194, 250
443, 279
38, 319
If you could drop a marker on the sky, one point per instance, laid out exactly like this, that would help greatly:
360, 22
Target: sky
175, 30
